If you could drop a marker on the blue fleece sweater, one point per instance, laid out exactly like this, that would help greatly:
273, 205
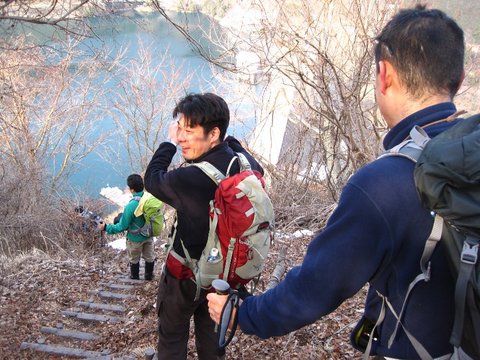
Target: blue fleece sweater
376, 235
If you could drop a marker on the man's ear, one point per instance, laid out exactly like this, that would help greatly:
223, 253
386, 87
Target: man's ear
383, 82
214, 134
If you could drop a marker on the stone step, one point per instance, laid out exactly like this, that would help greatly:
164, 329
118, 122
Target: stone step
110, 295
78, 335
66, 351
117, 286
101, 306
91, 317
127, 280
150, 354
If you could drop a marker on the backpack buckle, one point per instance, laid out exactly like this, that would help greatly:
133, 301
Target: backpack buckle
469, 253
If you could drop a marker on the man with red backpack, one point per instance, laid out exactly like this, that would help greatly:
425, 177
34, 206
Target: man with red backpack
202, 122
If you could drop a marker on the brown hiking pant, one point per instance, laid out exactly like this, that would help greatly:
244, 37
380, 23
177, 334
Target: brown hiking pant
175, 307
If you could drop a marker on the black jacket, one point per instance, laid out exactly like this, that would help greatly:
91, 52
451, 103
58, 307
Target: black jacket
189, 190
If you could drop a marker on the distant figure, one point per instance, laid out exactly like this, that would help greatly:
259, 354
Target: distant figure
137, 244
378, 231
202, 122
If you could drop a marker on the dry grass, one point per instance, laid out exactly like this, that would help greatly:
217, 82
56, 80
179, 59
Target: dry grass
37, 285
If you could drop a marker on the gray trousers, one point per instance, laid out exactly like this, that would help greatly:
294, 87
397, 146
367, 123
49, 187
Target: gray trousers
175, 307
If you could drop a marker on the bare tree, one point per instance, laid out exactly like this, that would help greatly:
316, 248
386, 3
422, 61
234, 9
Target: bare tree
49, 111
49, 107
42, 12
66, 16
313, 63
146, 93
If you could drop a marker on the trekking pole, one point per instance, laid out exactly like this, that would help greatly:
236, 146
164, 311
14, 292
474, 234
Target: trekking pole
223, 288
102, 246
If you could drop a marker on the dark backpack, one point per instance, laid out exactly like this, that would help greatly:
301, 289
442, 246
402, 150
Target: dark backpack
447, 178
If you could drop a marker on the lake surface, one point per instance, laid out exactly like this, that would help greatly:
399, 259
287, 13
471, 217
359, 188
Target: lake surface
94, 171
152, 30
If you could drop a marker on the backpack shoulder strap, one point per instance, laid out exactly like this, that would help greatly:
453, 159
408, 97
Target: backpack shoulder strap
244, 164
410, 148
137, 229
211, 171
216, 175
430, 244
468, 259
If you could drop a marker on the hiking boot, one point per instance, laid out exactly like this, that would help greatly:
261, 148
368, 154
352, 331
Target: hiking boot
134, 270
149, 270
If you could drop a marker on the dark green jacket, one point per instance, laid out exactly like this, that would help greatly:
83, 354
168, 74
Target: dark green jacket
129, 221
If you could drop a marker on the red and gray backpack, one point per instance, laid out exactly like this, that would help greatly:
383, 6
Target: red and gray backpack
241, 226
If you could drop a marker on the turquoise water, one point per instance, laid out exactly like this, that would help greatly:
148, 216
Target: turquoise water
109, 165
94, 171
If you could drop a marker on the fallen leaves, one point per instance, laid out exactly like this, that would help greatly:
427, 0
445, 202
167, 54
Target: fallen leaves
35, 289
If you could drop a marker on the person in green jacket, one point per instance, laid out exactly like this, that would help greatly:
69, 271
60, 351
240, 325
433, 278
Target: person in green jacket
137, 244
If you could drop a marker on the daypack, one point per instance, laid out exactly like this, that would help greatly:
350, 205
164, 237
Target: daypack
240, 230
152, 210
447, 179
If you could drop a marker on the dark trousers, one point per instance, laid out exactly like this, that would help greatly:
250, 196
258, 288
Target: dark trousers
175, 307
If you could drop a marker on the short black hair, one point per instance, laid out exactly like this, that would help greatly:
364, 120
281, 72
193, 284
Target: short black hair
135, 182
427, 49
207, 110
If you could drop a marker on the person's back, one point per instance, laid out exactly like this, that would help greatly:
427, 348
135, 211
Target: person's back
378, 231
385, 191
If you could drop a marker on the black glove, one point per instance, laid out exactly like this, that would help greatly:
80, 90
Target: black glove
117, 218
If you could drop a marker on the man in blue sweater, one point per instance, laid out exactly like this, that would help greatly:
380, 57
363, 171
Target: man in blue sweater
378, 231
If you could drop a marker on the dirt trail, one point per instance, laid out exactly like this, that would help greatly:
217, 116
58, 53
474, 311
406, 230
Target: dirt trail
39, 291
